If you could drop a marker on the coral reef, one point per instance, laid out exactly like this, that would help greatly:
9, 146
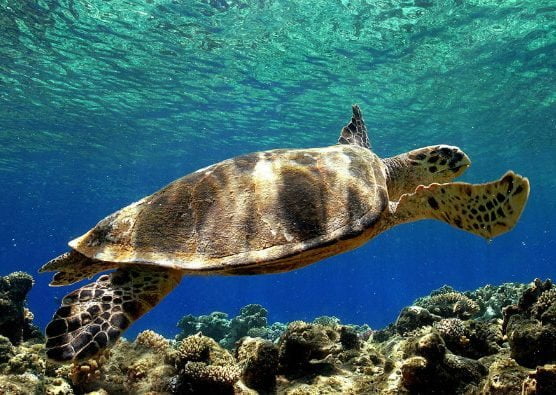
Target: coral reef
414, 317
15, 319
304, 348
21, 362
530, 325
152, 340
204, 367
435, 346
448, 303
505, 376
540, 382
214, 325
6, 349
251, 321
492, 299
426, 366
258, 360
251, 317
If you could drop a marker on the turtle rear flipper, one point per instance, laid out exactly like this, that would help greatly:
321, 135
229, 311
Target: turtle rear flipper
93, 317
486, 210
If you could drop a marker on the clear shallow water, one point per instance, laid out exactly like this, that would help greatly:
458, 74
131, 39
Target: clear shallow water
103, 102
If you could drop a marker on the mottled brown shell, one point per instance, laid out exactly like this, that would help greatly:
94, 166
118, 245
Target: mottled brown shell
258, 213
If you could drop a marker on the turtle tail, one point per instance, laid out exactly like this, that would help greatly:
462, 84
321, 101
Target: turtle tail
94, 316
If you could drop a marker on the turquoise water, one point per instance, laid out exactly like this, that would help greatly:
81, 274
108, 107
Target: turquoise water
103, 102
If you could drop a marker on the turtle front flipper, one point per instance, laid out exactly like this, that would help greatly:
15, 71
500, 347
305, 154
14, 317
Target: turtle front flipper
72, 267
93, 317
486, 210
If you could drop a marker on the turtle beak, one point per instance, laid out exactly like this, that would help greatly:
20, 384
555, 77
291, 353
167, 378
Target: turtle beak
458, 171
459, 164
456, 161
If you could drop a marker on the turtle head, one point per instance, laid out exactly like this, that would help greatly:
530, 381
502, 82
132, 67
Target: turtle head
423, 166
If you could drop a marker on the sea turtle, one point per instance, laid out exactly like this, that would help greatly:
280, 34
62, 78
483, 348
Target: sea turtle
263, 212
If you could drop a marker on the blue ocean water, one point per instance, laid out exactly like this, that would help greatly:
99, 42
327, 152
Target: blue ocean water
104, 102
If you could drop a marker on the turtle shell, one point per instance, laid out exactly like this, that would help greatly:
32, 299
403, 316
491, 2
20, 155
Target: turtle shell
258, 213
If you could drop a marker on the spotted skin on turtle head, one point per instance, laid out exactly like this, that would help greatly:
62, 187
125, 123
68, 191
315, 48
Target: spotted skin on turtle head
438, 158
423, 166
93, 317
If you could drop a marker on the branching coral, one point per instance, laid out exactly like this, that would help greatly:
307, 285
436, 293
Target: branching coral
204, 366
453, 331
152, 340
250, 317
28, 358
193, 349
85, 372
326, 320
450, 304
213, 378
543, 303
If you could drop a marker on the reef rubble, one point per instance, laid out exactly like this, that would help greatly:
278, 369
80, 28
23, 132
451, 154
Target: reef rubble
494, 340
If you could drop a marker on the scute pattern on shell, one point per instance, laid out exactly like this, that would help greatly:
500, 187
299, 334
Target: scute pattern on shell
281, 208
